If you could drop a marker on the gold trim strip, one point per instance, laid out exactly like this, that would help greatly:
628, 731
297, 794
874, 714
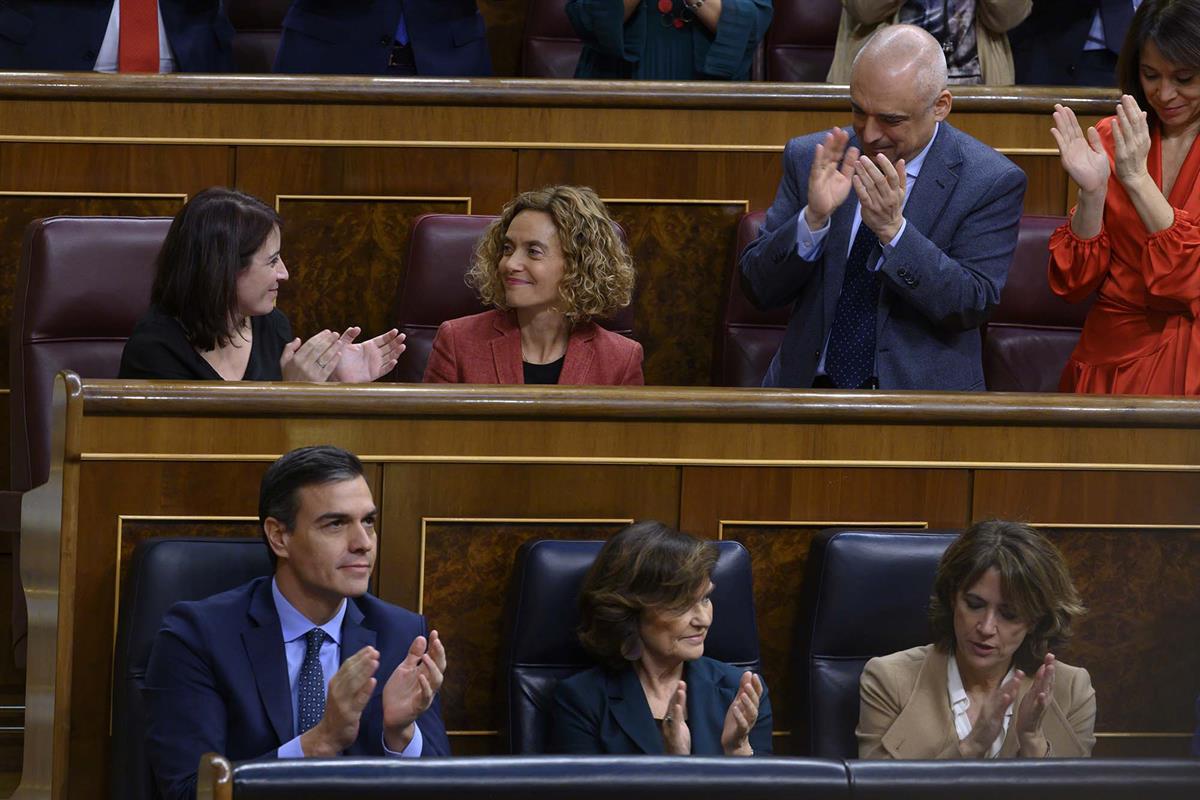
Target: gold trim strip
436, 144
1115, 526
806, 522
677, 201
672, 462
503, 520
377, 198
1144, 735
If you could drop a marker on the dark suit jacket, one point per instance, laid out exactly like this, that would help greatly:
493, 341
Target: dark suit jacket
66, 34
939, 283
1047, 46
354, 37
217, 681
603, 712
486, 348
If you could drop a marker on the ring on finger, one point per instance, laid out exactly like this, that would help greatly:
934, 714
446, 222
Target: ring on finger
321, 363
668, 719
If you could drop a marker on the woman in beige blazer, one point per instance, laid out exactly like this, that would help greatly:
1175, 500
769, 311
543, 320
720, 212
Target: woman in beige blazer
993, 20
989, 687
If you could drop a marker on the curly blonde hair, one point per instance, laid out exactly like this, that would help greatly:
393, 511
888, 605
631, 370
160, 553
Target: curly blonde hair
598, 272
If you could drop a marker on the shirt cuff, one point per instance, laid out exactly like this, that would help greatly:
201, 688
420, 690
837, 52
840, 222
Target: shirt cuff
291, 749
887, 248
809, 243
412, 751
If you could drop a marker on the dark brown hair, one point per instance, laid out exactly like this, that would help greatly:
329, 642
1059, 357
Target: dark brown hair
210, 241
1033, 578
598, 272
1174, 27
646, 566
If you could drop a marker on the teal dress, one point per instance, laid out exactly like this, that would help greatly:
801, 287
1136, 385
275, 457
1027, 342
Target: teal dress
648, 46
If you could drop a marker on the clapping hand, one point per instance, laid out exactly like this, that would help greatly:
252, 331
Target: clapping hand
677, 737
991, 718
1131, 141
370, 360
829, 179
349, 690
1082, 157
411, 688
315, 359
880, 186
741, 716
1032, 710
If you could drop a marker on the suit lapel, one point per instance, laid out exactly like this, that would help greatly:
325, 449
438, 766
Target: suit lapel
264, 648
929, 195
1058, 732
580, 351
627, 703
927, 710
706, 717
355, 636
506, 349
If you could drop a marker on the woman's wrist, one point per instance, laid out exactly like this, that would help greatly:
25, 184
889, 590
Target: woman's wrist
743, 749
1032, 745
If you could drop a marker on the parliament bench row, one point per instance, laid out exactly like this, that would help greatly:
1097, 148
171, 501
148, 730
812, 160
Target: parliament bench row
666, 778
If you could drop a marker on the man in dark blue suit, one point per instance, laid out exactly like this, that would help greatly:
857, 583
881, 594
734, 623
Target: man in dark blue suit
75, 34
890, 242
1071, 43
384, 37
305, 663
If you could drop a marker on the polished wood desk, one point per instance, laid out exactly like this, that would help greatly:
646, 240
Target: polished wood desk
464, 475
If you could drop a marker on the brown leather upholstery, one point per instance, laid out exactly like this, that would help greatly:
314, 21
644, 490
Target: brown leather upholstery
801, 39
1032, 332
434, 289
259, 25
748, 337
82, 285
551, 48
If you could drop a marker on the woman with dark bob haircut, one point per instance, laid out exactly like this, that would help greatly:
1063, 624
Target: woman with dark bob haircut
989, 687
645, 610
548, 266
1133, 239
213, 314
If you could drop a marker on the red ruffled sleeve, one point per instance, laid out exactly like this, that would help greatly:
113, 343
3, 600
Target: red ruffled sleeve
1077, 265
1170, 263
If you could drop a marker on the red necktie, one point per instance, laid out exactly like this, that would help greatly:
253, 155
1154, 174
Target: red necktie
138, 51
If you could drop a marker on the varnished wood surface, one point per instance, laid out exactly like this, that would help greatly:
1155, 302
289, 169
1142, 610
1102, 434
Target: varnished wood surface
463, 475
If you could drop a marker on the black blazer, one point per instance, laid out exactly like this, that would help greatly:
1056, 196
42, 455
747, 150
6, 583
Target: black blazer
603, 712
66, 34
1047, 46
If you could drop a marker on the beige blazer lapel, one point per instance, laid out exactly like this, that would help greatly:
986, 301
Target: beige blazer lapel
928, 709
581, 350
1055, 727
506, 350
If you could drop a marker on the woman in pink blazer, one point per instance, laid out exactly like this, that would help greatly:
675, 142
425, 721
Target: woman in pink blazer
549, 265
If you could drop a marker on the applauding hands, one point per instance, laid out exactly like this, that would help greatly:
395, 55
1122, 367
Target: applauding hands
330, 355
741, 716
1027, 719
879, 184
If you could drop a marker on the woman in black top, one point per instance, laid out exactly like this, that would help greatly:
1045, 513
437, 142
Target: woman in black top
213, 314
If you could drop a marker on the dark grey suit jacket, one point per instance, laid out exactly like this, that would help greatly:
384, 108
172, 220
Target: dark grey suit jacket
939, 283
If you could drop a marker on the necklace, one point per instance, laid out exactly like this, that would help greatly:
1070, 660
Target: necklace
672, 19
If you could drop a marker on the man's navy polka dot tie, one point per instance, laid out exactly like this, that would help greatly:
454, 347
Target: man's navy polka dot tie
850, 360
312, 681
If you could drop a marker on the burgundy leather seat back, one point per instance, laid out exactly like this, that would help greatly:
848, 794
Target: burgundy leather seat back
551, 48
1032, 331
749, 337
801, 39
259, 26
84, 283
435, 290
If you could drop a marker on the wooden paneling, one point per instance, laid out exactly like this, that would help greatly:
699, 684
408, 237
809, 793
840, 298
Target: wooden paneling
467, 561
505, 33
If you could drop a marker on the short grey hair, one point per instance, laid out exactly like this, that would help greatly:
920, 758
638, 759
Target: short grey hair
909, 47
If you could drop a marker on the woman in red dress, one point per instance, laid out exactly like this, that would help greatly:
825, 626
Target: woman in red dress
1135, 234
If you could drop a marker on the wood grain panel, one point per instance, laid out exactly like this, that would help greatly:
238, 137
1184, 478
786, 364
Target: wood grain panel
776, 512
347, 259
467, 570
132, 531
1140, 623
683, 254
1046, 192
1101, 496
505, 33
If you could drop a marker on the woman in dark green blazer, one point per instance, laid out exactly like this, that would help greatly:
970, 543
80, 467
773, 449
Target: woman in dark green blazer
678, 40
646, 609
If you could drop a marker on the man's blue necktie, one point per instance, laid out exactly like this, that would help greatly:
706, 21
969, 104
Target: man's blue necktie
402, 31
850, 359
312, 681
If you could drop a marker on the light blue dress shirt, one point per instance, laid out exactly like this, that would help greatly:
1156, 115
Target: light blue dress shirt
295, 626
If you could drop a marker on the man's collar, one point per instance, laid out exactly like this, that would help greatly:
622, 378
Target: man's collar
295, 624
913, 168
